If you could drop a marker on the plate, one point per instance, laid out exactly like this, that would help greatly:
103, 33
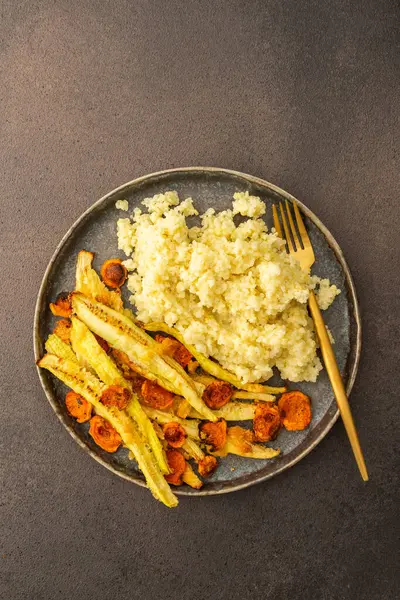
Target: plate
95, 230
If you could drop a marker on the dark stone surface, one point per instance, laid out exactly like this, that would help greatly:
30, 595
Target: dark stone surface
303, 94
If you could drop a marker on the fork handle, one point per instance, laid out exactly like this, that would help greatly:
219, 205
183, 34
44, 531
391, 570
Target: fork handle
337, 383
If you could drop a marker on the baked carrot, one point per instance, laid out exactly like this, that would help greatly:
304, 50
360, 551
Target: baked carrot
116, 395
63, 330
62, 306
213, 434
177, 464
104, 434
295, 409
266, 423
174, 434
207, 465
175, 349
156, 396
78, 407
113, 273
217, 394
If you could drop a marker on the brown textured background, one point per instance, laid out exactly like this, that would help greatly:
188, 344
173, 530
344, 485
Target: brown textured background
305, 94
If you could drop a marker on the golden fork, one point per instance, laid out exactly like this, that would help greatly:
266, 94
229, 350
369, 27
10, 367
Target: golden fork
306, 258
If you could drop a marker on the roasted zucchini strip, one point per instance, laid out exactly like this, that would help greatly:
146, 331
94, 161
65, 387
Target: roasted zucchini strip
193, 449
232, 411
55, 345
239, 441
84, 342
210, 366
121, 333
91, 388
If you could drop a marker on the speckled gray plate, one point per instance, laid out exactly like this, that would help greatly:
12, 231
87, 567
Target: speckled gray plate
96, 230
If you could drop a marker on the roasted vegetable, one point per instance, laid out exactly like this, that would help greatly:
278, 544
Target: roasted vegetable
190, 478
62, 329
55, 345
177, 465
191, 426
78, 407
193, 449
91, 388
121, 333
217, 394
295, 409
182, 408
207, 465
85, 343
241, 442
175, 349
62, 306
155, 396
104, 434
174, 434
89, 283
233, 411
116, 395
213, 434
113, 273
212, 367
267, 422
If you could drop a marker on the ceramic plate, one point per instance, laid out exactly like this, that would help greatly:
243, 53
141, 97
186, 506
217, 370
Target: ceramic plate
95, 230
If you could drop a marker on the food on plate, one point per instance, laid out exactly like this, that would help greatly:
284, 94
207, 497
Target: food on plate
295, 409
174, 434
228, 288
218, 307
113, 273
213, 434
78, 407
266, 423
177, 465
104, 434
62, 306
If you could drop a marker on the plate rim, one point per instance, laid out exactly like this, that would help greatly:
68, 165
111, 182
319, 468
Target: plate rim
254, 180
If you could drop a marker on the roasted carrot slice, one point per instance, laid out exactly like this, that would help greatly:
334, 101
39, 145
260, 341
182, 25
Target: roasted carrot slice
78, 407
207, 465
213, 434
217, 394
104, 434
177, 464
63, 330
174, 434
175, 349
266, 423
154, 395
113, 273
295, 409
116, 395
62, 306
